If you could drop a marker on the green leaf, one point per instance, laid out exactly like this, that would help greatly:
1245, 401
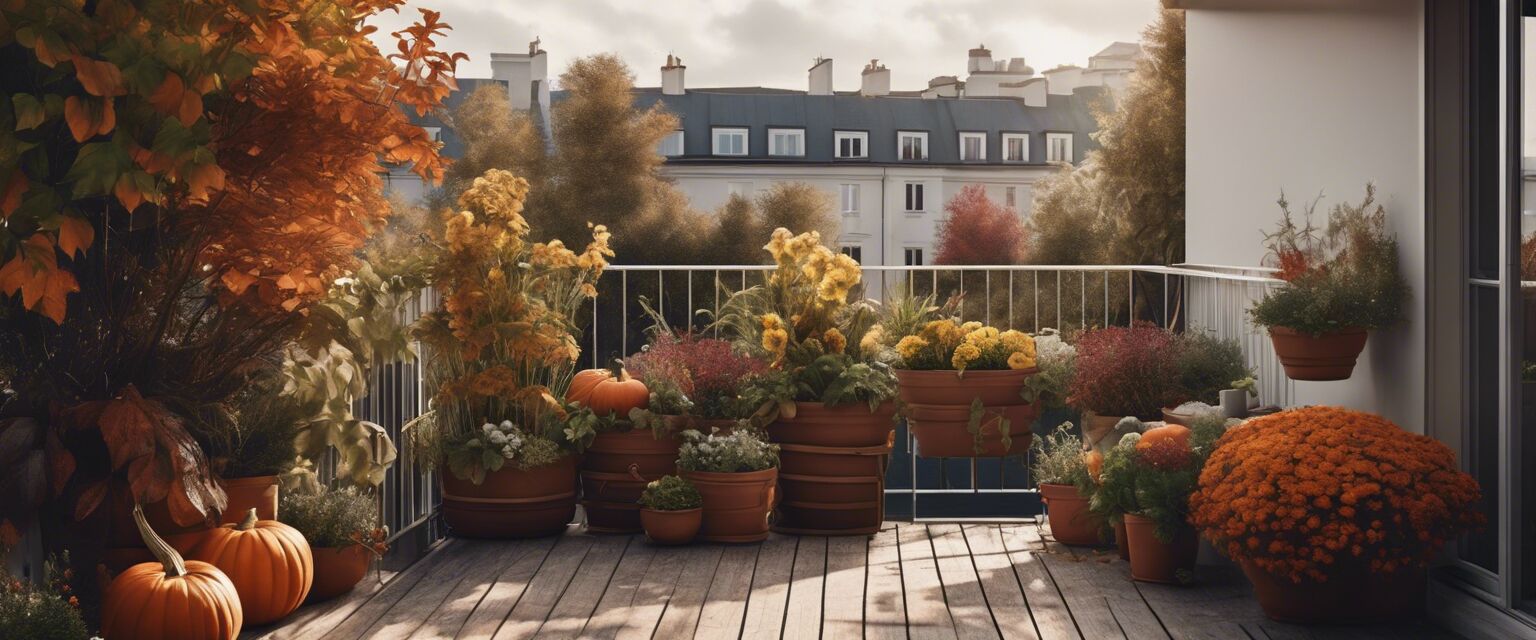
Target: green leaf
29, 111
96, 169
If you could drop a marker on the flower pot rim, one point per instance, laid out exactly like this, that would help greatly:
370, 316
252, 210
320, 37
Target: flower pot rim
732, 474
676, 511
1287, 331
985, 372
250, 480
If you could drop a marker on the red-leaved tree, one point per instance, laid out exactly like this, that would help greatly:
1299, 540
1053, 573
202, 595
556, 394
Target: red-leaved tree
979, 231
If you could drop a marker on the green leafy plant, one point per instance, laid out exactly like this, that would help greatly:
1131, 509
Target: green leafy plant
1056, 361
1154, 477
27, 611
671, 493
743, 449
1058, 458
1207, 365
255, 437
331, 518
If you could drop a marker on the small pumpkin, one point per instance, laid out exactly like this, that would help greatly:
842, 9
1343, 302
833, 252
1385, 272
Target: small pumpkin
1174, 432
171, 598
609, 391
1095, 462
269, 563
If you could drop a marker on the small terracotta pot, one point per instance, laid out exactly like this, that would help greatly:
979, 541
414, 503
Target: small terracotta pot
736, 505
1153, 560
614, 473
672, 527
511, 503
1330, 356
338, 570
1068, 516
993, 388
1352, 594
943, 431
1122, 545
256, 492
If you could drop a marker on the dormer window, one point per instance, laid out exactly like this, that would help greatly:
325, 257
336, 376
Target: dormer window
786, 142
851, 145
973, 147
730, 141
1015, 147
1058, 147
912, 145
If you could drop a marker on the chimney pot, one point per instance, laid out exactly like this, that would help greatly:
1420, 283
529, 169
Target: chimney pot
672, 76
821, 77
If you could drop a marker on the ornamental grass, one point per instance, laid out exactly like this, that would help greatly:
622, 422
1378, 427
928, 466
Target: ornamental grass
1302, 490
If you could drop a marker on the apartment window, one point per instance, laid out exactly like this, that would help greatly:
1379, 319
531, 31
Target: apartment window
1058, 147
914, 257
852, 144
915, 196
434, 134
973, 147
739, 189
1011, 197
786, 142
854, 251
1015, 147
849, 197
912, 145
730, 141
672, 145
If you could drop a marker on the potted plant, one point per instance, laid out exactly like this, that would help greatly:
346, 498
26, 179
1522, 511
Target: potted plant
1332, 513
1061, 472
342, 527
1055, 366
1123, 371
735, 474
623, 455
1207, 366
30, 611
250, 448
502, 357
1340, 283
671, 510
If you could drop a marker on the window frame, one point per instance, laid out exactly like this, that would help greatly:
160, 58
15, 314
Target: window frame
907, 254
682, 142
746, 141
843, 199
855, 251
837, 144
982, 135
1011, 197
797, 131
1015, 135
1051, 136
922, 197
921, 135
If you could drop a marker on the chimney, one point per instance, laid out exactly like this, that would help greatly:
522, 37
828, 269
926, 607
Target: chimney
876, 80
672, 76
1064, 79
821, 77
980, 59
526, 76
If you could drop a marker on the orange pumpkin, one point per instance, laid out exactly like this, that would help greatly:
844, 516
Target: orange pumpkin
1174, 432
1095, 461
609, 391
269, 563
171, 598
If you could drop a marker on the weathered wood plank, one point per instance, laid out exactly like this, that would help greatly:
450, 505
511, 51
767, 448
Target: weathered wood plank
655, 592
461, 602
843, 604
770, 588
416, 608
699, 565
927, 615
361, 620
885, 608
725, 606
802, 620
546, 587
1097, 586
511, 583
617, 601
586, 588
1053, 619
1009, 609
316, 619
962, 587
1217, 605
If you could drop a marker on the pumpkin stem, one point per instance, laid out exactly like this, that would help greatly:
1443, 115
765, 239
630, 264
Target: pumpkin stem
249, 522
175, 566
617, 367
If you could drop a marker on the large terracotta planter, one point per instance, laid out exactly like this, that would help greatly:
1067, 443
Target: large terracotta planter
511, 503
338, 570
1352, 593
943, 431
1153, 560
256, 492
1068, 516
736, 505
993, 388
672, 527
614, 473
832, 463
1330, 356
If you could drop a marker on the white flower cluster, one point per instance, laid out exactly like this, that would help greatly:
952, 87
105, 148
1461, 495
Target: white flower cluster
1050, 346
503, 437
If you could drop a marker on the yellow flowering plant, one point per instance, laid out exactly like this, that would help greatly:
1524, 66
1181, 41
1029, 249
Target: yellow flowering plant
946, 343
502, 347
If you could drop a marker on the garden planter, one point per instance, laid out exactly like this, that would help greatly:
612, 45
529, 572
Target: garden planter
849, 425
614, 472
1352, 593
672, 527
832, 463
1068, 516
512, 503
125, 547
1330, 356
338, 570
993, 388
1122, 546
1153, 560
736, 505
943, 431
256, 492
1097, 427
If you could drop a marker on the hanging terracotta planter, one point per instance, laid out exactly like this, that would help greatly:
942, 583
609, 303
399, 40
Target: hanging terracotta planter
944, 431
256, 492
338, 570
1352, 594
736, 505
512, 503
1330, 356
672, 527
992, 388
1068, 516
832, 463
1153, 560
614, 472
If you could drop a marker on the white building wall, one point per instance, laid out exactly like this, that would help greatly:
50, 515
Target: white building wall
1266, 115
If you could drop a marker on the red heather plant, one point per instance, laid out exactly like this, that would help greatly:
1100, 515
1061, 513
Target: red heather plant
1126, 371
708, 371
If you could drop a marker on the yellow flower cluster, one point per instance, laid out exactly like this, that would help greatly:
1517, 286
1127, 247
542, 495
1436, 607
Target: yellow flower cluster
870, 344
832, 274
834, 340
775, 337
971, 345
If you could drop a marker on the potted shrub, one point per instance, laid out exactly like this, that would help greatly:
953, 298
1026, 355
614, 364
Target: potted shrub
1340, 283
1055, 366
29, 611
622, 457
1061, 471
1332, 513
1207, 366
342, 527
735, 474
249, 449
502, 357
1120, 372
671, 510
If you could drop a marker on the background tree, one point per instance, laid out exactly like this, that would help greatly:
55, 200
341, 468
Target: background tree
979, 231
1066, 226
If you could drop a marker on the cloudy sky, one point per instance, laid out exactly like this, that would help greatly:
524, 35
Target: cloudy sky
772, 42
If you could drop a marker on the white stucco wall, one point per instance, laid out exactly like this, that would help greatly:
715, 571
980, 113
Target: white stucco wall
1322, 99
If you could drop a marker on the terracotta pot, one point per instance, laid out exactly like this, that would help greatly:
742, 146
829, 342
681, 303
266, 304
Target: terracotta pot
1096, 427
993, 388
1330, 356
511, 503
943, 431
614, 473
736, 505
123, 534
849, 425
1068, 516
338, 570
1353, 593
672, 527
1153, 560
256, 492
1122, 545
832, 463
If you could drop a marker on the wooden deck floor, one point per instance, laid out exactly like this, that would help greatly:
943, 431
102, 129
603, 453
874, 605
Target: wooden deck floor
909, 581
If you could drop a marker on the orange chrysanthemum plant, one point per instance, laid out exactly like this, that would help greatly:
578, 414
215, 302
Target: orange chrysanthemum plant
502, 347
1300, 491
